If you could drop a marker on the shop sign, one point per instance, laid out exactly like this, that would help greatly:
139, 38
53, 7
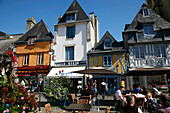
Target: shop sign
71, 63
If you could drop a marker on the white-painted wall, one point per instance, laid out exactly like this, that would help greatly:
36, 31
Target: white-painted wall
80, 42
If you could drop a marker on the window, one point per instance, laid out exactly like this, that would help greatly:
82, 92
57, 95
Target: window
70, 17
160, 51
107, 60
69, 53
107, 43
40, 59
148, 30
31, 41
139, 52
26, 59
145, 12
70, 32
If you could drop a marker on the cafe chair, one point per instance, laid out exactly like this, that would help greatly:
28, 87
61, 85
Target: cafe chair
108, 110
73, 98
48, 108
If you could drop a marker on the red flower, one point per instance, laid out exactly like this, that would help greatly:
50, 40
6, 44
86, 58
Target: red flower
11, 53
8, 52
14, 57
15, 60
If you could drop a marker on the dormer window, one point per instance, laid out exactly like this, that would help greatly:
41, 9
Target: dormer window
107, 43
31, 41
145, 12
71, 17
148, 29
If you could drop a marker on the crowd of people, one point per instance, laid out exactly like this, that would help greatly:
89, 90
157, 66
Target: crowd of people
129, 102
153, 100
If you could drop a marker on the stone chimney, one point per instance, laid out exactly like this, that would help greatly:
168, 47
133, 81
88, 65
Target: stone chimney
59, 18
96, 29
30, 24
92, 18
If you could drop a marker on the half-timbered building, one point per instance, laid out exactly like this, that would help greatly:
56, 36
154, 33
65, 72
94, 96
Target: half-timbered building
147, 40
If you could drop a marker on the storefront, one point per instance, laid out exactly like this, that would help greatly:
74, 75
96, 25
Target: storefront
75, 79
146, 77
112, 79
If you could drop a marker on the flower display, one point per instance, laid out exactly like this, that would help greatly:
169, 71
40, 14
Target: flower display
14, 98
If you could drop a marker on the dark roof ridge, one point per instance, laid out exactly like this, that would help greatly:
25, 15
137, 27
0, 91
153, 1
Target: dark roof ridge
75, 6
40, 30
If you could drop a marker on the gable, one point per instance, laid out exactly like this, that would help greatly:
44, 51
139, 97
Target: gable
153, 18
40, 31
107, 36
74, 8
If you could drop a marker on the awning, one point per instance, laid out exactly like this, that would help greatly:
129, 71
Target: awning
66, 71
147, 71
96, 72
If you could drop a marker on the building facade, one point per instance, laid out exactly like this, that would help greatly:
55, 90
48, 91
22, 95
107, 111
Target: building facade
32, 50
147, 40
161, 7
7, 44
74, 35
108, 54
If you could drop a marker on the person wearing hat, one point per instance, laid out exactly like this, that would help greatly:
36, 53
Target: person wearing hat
118, 96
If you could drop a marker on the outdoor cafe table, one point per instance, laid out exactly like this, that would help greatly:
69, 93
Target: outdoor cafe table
78, 107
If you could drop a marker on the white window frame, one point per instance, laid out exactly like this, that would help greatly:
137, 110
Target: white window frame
26, 60
106, 63
160, 51
40, 59
145, 12
66, 59
31, 41
139, 52
71, 17
107, 43
73, 30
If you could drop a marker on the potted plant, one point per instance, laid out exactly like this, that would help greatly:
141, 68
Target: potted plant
57, 90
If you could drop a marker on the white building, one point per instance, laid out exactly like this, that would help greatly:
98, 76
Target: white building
74, 35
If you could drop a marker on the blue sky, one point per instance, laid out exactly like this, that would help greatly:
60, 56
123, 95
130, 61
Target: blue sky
112, 14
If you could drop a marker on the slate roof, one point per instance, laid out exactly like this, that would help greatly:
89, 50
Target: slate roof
3, 35
116, 46
157, 20
135, 30
5, 45
76, 8
40, 30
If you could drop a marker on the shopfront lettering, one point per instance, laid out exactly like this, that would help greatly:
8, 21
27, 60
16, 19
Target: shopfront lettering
73, 63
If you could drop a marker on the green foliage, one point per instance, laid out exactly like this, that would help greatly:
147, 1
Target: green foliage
5, 79
58, 88
13, 96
